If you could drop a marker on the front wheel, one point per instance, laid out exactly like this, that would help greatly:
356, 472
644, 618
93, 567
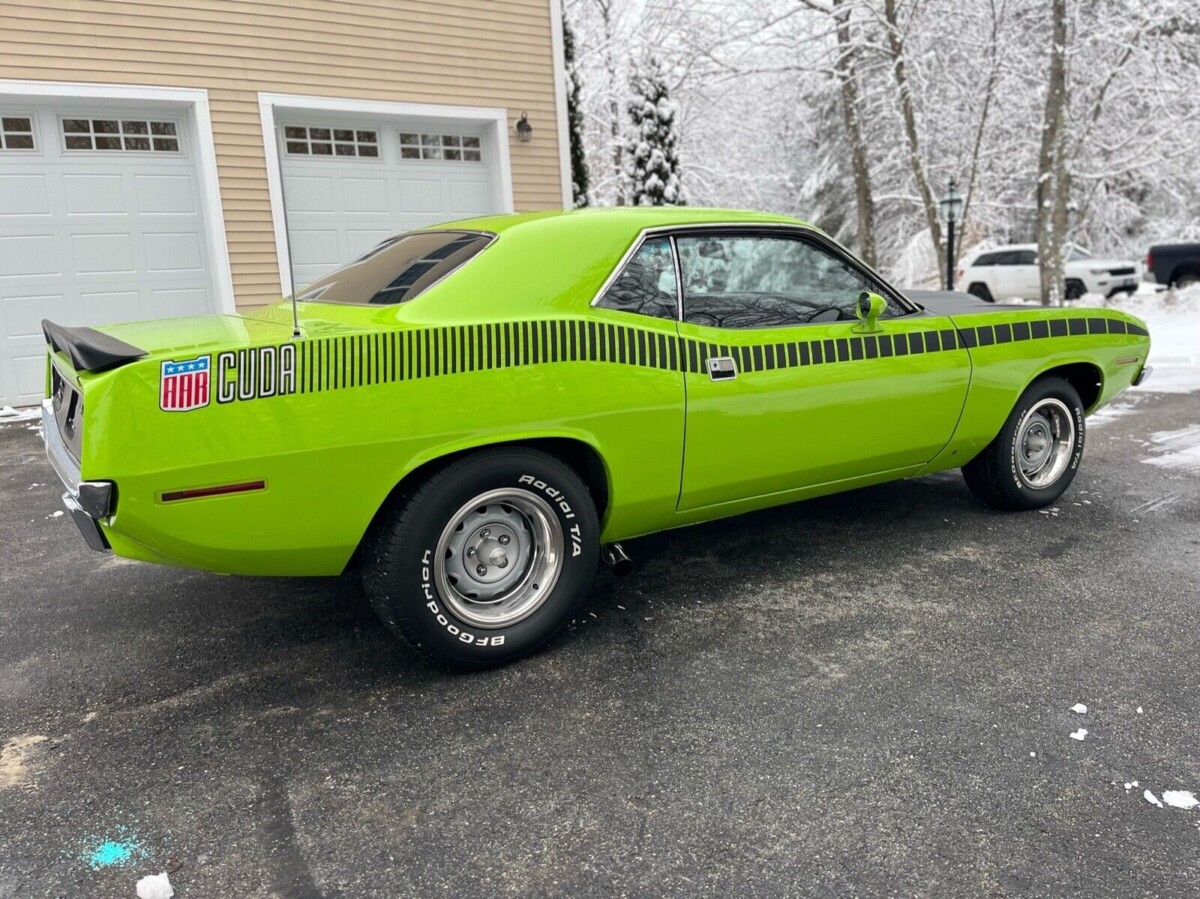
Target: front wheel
1035, 456
979, 289
487, 560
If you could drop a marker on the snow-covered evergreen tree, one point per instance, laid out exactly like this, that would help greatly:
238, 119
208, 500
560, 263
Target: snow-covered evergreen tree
579, 167
652, 143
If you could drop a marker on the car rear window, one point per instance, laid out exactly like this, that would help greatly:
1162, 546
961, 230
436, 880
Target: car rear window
398, 269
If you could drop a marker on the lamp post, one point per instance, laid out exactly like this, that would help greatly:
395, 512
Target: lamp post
952, 206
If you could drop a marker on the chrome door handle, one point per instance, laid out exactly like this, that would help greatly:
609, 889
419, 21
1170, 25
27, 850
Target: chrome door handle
722, 368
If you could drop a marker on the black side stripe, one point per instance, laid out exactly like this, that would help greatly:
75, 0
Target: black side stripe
363, 360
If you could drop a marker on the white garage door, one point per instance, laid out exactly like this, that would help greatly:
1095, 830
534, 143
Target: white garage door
350, 182
100, 222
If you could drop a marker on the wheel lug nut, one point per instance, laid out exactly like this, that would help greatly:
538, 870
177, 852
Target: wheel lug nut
485, 533
482, 570
471, 552
504, 538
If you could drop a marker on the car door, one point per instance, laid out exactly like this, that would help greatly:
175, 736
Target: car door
785, 387
1024, 276
1004, 283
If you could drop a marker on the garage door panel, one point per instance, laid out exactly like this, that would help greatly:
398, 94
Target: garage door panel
23, 195
166, 194
182, 300
103, 254
358, 241
339, 206
95, 194
27, 255
29, 373
102, 307
173, 252
22, 316
468, 197
90, 238
309, 194
364, 196
313, 246
419, 196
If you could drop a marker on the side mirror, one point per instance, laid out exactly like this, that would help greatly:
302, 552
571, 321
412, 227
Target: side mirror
867, 308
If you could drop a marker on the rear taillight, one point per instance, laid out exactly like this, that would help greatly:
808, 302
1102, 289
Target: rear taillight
1149, 262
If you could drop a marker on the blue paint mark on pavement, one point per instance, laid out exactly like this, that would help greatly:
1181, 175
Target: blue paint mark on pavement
107, 853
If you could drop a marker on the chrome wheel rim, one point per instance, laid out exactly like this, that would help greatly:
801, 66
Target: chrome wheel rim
499, 557
1045, 441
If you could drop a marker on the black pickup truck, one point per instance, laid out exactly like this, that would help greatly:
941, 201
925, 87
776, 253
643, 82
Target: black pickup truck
1175, 264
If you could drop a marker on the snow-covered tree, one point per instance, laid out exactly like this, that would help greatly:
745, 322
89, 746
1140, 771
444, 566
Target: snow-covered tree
579, 166
651, 149
855, 115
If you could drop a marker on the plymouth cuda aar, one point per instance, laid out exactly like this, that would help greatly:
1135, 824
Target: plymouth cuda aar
478, 412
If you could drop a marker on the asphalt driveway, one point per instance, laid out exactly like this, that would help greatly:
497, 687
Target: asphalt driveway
865, 695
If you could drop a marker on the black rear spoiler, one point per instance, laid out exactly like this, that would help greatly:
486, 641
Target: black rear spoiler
89, 349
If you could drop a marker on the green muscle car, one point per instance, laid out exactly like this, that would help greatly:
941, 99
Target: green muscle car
478, 412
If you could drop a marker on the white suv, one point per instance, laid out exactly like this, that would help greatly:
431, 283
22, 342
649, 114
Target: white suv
1003, 273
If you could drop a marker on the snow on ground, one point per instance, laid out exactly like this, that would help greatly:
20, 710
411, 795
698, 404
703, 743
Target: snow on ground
1179, 450
1184, 799
9, 415
1173, 317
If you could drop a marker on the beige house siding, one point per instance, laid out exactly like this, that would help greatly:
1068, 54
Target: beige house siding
458, 52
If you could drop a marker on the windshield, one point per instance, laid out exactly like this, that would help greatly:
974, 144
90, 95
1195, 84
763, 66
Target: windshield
1077, 253
398, 269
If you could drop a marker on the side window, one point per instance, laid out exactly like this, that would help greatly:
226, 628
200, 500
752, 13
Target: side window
1008, 257
764, 281
647, 283
985, 259
1026, 257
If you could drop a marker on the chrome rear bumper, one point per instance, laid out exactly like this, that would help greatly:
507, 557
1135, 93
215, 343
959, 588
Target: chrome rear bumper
87, 501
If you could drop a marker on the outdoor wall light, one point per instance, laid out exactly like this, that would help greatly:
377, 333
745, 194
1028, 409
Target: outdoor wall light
524, 129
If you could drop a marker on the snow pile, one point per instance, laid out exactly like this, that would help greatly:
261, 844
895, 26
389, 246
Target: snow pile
9, 415
1173, 318
155, 886
1184, 799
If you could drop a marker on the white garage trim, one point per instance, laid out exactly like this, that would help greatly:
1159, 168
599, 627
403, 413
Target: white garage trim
560, 103
495, 121
187, 98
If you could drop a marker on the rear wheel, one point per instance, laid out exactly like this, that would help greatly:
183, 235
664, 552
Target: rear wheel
1187, 279
1035, 456
487, 560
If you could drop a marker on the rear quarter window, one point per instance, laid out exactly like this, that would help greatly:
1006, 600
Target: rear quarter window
398, 269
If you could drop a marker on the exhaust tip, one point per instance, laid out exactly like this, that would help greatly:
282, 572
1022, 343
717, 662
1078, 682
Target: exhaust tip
614, 557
